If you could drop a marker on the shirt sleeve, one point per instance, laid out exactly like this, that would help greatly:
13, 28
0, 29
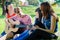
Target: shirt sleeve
29, 20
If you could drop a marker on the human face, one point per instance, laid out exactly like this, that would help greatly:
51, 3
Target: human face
10, 8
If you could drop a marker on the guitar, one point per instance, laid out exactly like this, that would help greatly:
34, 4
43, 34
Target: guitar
8, 29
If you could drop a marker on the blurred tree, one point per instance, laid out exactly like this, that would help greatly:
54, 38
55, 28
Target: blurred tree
2, 1
34, 2
41, 0
4, 5
56, 2
15, 2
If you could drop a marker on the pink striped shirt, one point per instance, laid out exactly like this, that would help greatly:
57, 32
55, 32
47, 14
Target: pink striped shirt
25, 20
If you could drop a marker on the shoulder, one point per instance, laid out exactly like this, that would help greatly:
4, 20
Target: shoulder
28, 16
53, 18
55, 15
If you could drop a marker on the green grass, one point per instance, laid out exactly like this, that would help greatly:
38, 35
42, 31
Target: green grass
30, 10
57, 10
2, 24
0, 10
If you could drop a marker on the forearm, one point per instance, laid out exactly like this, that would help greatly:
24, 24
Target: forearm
47, 30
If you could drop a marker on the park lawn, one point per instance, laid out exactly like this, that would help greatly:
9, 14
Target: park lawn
0, 10
2, 24
57, 10
30, 10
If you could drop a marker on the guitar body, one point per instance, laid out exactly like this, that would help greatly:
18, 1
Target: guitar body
10, 28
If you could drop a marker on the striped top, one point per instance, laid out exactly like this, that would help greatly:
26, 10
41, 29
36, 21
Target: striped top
26, 20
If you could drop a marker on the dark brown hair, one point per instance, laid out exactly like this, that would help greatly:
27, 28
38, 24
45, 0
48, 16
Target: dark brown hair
16, 10
47, 10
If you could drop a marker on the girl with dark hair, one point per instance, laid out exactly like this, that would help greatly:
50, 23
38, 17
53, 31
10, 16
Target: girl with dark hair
45, 28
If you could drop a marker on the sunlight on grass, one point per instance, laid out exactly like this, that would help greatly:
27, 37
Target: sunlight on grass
30, 10
56, 9
0, 11
2, 24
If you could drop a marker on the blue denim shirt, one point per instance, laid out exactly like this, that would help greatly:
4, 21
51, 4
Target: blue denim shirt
47, 23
